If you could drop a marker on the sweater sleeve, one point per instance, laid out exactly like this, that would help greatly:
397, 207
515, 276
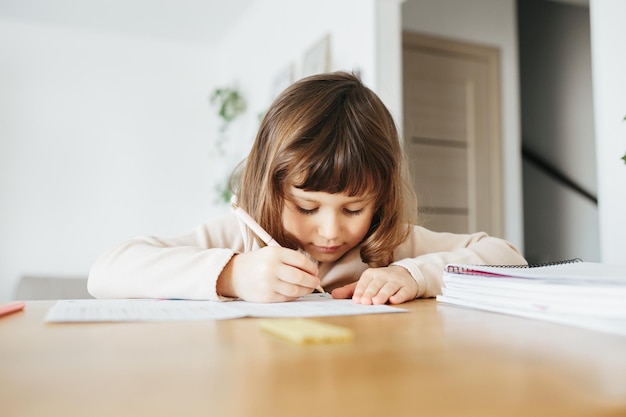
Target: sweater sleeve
185, 266
426, 253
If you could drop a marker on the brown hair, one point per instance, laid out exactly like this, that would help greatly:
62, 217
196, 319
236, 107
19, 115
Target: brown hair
328, 132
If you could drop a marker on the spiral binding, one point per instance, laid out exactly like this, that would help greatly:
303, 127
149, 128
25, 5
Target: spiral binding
464, 268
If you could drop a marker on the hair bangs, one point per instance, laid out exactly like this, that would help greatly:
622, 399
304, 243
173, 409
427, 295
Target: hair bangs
336, 165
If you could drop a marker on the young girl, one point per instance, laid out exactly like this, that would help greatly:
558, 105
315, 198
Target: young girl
325, 177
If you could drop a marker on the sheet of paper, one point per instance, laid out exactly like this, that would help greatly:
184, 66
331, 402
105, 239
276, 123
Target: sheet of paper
615, 326
313, 305
139, 310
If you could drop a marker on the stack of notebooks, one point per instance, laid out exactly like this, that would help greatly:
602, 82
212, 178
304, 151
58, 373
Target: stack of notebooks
583, 294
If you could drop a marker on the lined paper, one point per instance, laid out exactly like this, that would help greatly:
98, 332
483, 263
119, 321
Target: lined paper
120, 310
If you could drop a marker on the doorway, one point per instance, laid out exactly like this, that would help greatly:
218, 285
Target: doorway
452, 134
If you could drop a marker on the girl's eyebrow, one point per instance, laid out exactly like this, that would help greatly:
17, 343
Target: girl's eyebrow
303, 199
310, 200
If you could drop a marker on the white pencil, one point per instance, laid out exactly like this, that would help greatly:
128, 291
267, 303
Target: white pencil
258, 230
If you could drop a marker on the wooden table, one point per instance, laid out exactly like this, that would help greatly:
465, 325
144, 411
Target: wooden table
436, 360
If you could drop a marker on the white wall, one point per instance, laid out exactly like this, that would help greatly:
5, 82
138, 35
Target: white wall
275, 34
608, 68
102, 137
493, 23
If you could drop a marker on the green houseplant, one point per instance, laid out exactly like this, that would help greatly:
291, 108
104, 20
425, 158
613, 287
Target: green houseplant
230, 104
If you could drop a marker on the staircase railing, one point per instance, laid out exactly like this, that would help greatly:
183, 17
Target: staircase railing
556, 174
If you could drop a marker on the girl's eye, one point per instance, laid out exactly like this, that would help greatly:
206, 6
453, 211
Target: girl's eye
353, 212
306, 211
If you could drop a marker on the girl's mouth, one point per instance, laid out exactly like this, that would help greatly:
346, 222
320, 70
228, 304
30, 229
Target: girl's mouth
327, 249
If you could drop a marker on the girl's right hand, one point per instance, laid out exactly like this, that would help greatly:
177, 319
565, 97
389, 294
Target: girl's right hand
269, 274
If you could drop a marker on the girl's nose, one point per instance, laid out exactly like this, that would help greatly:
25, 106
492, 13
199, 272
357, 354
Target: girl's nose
329, 227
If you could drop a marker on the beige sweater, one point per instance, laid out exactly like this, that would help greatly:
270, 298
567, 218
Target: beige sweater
188, 266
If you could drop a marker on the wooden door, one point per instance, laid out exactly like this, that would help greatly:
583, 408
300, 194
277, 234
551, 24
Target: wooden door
452, 133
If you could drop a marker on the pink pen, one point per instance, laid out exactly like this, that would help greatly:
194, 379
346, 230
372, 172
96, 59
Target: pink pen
12, 308
254, 226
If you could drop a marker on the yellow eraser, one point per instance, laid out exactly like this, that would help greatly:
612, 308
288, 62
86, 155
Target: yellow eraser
306, 331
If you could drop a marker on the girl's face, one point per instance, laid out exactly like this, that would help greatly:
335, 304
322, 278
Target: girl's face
327, 225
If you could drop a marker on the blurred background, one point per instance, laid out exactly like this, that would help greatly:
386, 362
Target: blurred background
125, 117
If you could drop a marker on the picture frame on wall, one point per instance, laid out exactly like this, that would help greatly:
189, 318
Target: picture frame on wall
317, 58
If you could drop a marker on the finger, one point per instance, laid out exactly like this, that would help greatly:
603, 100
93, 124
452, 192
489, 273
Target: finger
385, 292
368, 295
291, 292
295, 276
361, 286
299, 260
347, 291
373, 288
403, 294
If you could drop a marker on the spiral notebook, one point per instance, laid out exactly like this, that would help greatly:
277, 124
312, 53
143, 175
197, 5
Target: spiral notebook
572, 292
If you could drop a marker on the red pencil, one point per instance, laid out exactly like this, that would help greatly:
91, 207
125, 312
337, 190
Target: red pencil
11, 308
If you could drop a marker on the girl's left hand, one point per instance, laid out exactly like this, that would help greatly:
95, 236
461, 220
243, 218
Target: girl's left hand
391, 284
